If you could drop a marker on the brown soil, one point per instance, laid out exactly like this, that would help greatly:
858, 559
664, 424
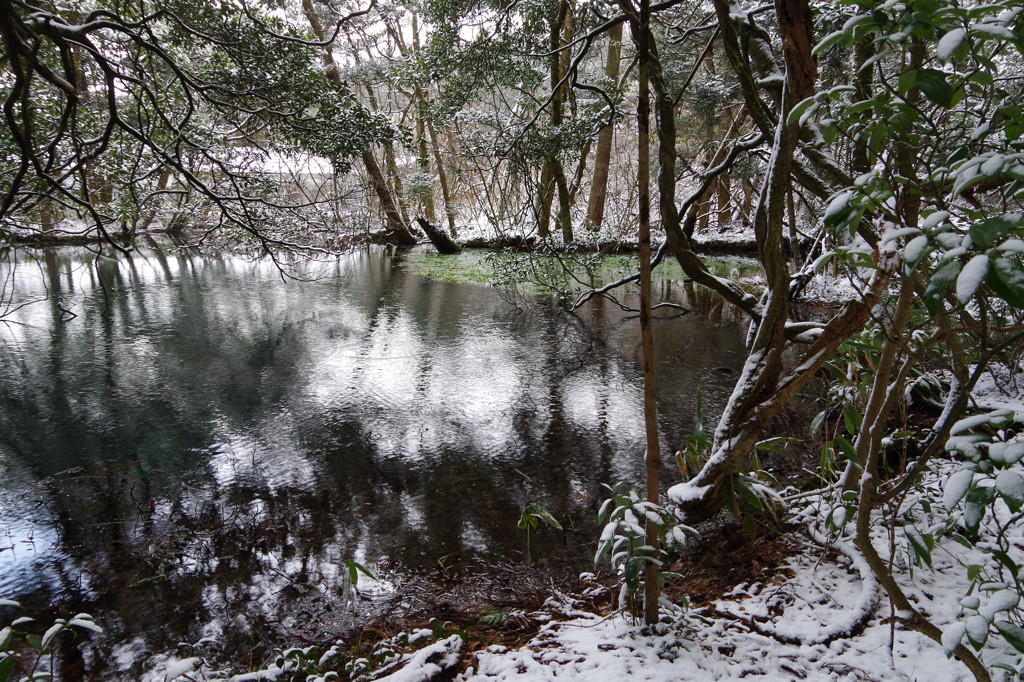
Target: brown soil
728, 557
507, 607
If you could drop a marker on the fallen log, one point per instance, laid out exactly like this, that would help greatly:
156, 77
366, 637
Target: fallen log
438, 237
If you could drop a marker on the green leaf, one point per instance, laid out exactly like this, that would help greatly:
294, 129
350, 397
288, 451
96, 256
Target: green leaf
35, 641
7, 664
1006, 279
797, 112
987, 233
748, 495
852, 418
355, 568
919, 544
934, 86
1005, 560
1013, 634
828, 41
534, 513
961, 540
943, 279
846, 447
981, 78
907, 81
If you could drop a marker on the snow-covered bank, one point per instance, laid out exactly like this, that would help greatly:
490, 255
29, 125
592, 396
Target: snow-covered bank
802, 624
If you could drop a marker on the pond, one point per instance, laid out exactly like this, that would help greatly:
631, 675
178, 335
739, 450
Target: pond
202, 448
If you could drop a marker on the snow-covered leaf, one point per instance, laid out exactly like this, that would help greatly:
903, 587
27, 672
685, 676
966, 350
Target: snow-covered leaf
934, 219
971, 423
948, 44
837, 206
1006, 453
51, 633
970, 278
977, 631
986, 30
821, 261
915, 250
1003, 600
920, 544
951, 637
1010, 485
1012, 633
899, 234
9, 602
956, 487
182, 667
85, 624
1012, 246
973, 514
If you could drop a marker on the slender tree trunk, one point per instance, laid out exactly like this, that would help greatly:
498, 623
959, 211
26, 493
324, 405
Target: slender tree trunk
46, 215
603, 155
397, 229
423, 159
558, 96
545, 197
396, 180
442, 178
647, 55
864, 50
761, 389
722, 196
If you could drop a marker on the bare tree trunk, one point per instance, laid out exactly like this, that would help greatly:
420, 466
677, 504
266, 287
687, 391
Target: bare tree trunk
396, 180
603, 155
761, 389
646, 52
545, 197
442, 177
423, 159
722, 196
397, 229
46, 214
558, 95
652, 459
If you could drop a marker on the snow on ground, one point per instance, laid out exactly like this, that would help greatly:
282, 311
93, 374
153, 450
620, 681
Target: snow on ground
594, 649
814, 598
1000, 388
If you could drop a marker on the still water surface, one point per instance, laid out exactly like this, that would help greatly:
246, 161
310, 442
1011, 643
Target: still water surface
199, 451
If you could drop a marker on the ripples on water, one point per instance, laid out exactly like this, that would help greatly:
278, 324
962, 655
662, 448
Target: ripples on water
203, 458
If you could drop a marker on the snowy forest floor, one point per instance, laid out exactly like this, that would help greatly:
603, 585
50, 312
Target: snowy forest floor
795, 612
794, 603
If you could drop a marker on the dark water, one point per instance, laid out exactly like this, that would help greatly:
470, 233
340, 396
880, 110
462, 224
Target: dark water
199, 451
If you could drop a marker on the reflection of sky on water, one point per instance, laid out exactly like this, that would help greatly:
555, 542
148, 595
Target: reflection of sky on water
232, 436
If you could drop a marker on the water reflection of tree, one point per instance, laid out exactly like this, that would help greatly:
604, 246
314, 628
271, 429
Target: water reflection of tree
209, 477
